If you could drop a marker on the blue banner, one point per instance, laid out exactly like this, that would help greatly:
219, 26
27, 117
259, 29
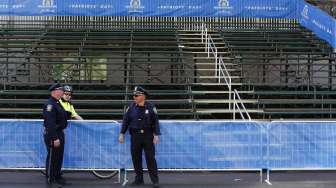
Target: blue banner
183, 145
94, 145
238, 8
322, 24
21, 144
301, 145
209, 145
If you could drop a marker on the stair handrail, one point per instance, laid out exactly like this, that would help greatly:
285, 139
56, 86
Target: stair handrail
240, 106
211, 47
222, 72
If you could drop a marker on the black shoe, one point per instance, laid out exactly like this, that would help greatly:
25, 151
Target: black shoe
56, 185
156, 185
50, 181
61, 181
53, 184
137, 183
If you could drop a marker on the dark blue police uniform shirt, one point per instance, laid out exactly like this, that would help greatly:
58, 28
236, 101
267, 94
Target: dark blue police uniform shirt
55, 118
141, 117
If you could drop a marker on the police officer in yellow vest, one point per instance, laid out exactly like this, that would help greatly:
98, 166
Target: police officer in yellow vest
65, 101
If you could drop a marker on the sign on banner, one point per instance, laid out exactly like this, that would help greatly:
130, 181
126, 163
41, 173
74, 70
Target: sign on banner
238, 8
322, 24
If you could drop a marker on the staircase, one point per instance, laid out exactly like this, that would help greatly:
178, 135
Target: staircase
211, 97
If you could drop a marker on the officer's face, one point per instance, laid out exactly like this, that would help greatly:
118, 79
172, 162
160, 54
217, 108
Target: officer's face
57, 93
139, 98
67, 96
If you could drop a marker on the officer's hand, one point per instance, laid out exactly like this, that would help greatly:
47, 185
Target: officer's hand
57, 143
156, 139
121, 138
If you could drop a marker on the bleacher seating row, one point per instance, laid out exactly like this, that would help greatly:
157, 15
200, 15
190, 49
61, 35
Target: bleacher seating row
280, 72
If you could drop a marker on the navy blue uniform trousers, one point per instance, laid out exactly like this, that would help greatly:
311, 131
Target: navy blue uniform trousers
54, 158
143, 142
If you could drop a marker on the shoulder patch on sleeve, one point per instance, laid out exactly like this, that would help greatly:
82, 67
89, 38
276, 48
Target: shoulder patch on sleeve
155, 110
49, 107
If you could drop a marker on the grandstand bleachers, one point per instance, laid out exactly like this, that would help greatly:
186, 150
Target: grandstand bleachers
280, 70
289, 71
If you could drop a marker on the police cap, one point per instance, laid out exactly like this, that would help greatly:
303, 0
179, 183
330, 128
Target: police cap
55, 86
138, 90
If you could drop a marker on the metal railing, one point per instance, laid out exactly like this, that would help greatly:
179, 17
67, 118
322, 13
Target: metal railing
240, 106
204, 36
146, 23
211, 47
222, 73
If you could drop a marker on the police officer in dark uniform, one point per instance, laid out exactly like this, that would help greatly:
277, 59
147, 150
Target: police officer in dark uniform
55, 121
142, 121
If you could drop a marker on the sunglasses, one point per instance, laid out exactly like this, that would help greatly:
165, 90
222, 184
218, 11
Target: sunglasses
67, 94
136, 95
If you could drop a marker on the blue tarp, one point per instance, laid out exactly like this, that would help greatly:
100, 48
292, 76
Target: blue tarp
243, 8
183, 145
94, 145
302, 145
322, 24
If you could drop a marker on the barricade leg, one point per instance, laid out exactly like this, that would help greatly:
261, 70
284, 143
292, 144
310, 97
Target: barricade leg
125, 180
268, 181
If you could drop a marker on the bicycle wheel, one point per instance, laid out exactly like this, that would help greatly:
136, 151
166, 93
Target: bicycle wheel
104, 174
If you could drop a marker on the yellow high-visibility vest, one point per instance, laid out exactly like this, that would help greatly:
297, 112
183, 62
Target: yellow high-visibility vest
68, 107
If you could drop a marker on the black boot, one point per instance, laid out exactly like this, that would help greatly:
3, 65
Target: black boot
61, 181
50, 181
53, 184
137, 183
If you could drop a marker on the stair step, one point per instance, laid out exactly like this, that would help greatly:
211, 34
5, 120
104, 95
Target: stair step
213, 64
210, 70
200, 39
202, 47
205, 52
216, 77
223, 101
215, 84
211, 57
221, 92
223, 111
198, 34
199, 43
193, 41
